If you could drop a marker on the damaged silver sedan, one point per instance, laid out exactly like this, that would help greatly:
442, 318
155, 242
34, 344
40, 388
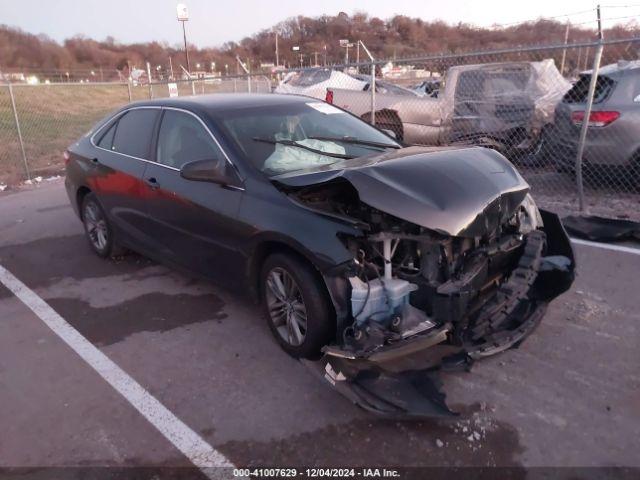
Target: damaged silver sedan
378, 264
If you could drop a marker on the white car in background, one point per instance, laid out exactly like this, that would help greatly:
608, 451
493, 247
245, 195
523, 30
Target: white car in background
314, 82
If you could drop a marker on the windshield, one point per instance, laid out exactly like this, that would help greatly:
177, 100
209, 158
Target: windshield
283, 138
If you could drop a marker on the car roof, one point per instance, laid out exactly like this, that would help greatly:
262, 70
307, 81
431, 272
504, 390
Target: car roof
615, 69
225, 101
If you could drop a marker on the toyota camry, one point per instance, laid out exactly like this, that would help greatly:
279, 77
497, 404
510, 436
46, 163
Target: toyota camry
363, 252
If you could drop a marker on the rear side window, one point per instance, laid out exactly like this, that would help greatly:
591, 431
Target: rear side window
107, 139
134, 131
580, 90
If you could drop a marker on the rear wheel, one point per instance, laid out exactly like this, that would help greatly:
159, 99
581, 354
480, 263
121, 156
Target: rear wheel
296, 306
97, 228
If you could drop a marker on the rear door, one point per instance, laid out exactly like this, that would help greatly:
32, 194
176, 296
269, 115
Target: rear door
194, 221
123, 150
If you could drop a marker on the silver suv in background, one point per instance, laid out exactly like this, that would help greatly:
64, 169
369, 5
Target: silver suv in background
612, 148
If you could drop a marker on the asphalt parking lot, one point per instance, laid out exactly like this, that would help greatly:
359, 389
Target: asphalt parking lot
569, 396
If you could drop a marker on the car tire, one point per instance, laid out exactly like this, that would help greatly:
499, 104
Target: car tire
295, 301
97, 228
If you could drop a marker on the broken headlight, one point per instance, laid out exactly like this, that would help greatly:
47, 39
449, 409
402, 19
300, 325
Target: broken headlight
529, 217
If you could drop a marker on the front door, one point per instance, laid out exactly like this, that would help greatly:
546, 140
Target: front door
196, 222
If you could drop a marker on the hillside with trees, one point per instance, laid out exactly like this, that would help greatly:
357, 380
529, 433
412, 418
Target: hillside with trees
318, 37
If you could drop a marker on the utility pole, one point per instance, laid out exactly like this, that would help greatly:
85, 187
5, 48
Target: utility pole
564, 50
277, 54
600, 35
171, 67
358, 56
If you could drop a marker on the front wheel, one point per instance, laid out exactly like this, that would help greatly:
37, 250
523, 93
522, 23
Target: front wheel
296, 306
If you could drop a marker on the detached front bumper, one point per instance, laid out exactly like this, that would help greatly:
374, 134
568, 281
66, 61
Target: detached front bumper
545, 270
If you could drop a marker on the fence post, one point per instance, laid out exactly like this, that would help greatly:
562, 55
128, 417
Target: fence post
373, 93
129, 89
193, 88
15, 117
585, 124
149, 79
372, 83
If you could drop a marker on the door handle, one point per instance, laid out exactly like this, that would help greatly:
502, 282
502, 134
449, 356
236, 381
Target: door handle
152, 182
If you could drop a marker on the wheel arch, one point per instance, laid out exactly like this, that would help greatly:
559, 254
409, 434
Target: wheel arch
82, 192
270, 246
336, 286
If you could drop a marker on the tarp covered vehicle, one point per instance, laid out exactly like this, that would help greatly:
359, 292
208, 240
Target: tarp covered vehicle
504, 106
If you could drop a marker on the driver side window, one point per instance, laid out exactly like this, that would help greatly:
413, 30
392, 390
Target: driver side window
183, 139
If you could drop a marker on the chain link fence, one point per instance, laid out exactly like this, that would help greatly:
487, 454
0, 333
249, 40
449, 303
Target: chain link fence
38, 122
574, 136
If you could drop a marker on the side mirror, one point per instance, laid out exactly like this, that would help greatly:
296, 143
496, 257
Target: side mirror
209, 170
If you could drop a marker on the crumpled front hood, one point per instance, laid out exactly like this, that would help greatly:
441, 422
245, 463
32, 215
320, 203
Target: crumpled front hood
455, 191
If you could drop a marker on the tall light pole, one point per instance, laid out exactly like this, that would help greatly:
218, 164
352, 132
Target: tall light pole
183, 16
344, 43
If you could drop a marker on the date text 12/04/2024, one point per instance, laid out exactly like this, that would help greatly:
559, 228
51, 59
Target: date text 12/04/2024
317, 472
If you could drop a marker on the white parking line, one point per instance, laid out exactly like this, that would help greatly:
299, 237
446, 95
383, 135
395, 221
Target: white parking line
607, 246
198, 451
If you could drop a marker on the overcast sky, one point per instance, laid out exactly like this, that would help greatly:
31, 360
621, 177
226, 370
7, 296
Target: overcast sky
213, 21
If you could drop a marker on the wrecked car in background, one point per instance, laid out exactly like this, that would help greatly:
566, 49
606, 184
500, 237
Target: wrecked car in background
380, 263
314, 82
504, 106
612, 145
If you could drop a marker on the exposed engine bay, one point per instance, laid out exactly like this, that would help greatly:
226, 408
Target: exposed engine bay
451, 261
412, 288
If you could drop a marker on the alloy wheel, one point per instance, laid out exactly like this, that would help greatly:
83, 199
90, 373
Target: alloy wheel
286, 306
96, 226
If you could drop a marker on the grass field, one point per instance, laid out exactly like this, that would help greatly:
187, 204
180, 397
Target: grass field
53, 116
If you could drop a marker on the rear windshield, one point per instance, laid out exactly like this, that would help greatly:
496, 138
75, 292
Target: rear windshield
580, 90
482, 84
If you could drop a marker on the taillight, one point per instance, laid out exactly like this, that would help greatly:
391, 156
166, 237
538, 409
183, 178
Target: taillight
596, 119
329, 97
66, 156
